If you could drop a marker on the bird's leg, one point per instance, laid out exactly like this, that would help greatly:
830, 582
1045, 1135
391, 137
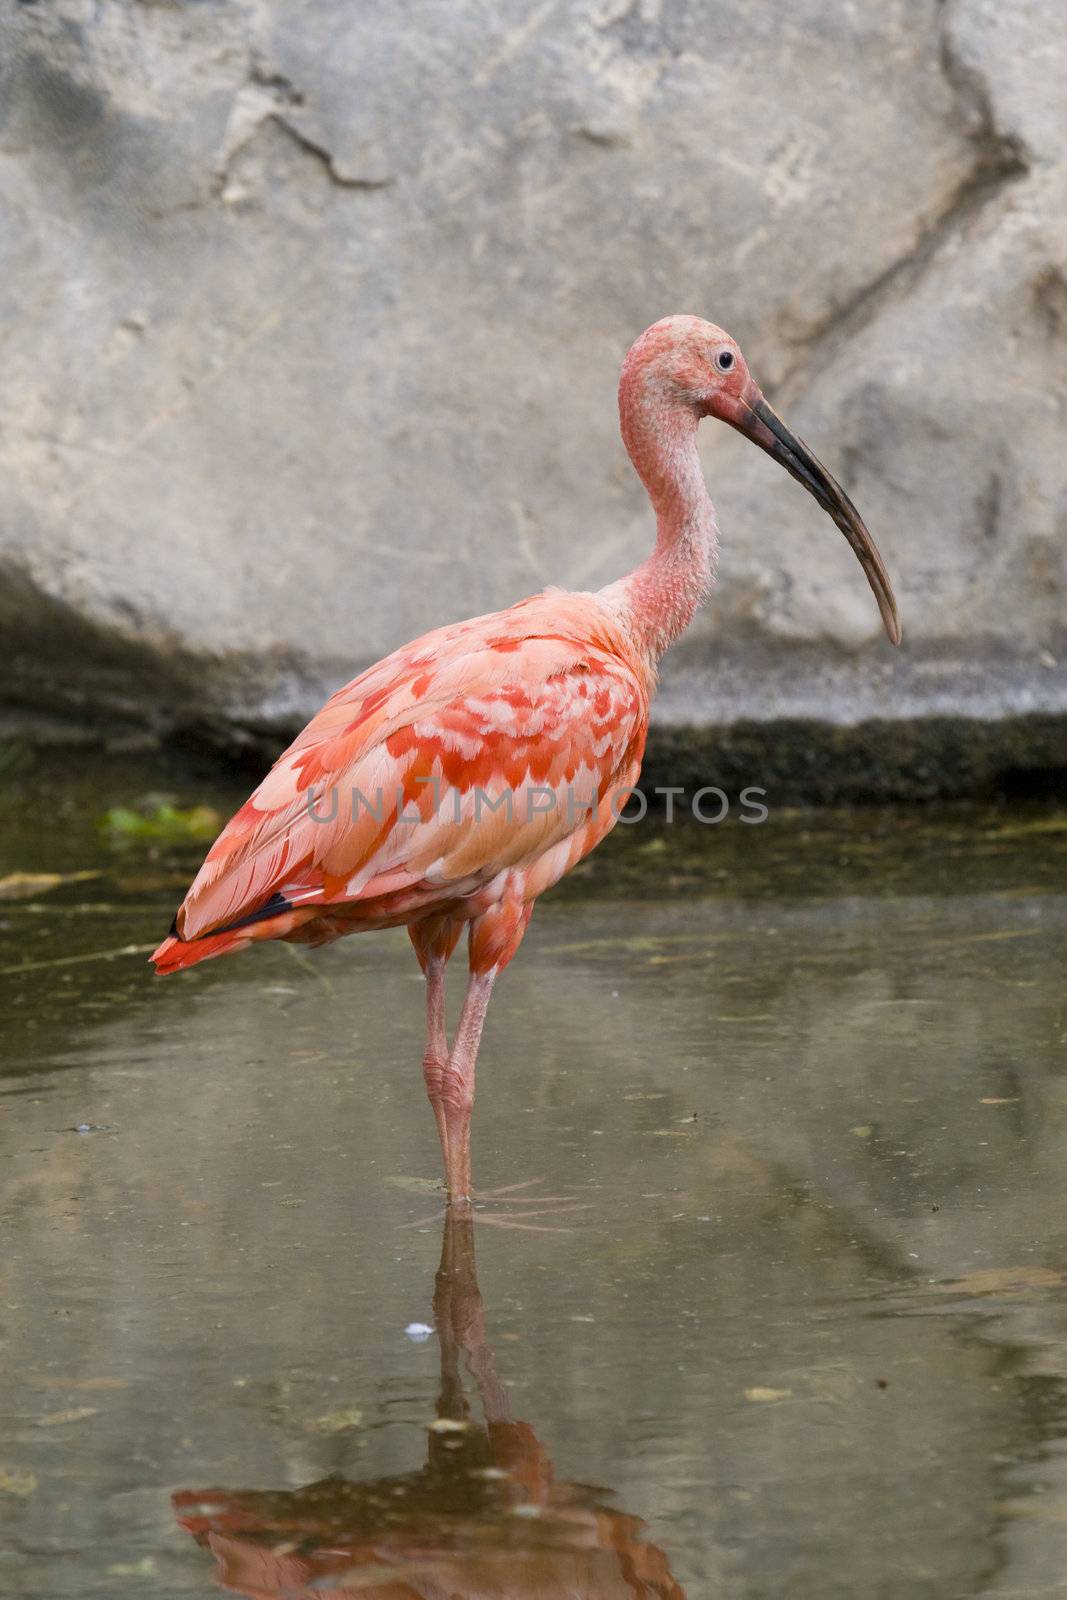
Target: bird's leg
494, 937
459, 1087
435, 1057
434, 939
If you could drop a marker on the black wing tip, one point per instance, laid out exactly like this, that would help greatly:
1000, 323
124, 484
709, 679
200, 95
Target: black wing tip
273, 908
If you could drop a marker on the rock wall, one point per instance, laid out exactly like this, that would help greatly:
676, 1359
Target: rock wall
312, 313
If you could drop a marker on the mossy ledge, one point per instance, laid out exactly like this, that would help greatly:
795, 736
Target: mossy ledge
797, 761
806, 762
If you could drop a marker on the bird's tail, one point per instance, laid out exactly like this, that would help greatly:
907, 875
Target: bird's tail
275, 920
175, 953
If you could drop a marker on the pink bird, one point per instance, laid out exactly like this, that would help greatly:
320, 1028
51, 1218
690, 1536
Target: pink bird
451, 784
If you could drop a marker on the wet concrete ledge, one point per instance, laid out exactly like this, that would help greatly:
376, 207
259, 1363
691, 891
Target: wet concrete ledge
801, 761
800, 722
797, 761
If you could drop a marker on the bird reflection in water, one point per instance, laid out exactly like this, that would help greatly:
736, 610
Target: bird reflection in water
484, 1519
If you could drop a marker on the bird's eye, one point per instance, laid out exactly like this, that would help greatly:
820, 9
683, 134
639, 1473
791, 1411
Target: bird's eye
724, 360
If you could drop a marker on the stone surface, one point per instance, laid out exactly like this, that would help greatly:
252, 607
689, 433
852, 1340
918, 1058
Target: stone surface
313, 312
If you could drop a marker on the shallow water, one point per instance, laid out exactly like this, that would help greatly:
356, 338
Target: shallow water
769, 1291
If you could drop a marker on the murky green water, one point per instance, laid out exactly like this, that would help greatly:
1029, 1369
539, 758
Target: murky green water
771, 1302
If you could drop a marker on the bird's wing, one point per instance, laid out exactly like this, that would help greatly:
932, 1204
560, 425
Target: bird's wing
475, 749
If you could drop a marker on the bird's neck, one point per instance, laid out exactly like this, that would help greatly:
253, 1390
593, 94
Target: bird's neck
661, 596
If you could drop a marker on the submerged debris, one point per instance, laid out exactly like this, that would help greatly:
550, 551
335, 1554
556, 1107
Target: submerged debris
158, 821
24, 885
336, 1421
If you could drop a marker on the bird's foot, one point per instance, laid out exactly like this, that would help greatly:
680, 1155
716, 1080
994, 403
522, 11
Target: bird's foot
508, 1206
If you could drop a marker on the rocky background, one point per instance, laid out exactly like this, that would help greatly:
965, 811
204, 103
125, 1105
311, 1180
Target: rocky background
312, 313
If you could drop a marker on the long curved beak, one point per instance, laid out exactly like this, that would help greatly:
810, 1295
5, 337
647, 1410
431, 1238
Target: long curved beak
753, 417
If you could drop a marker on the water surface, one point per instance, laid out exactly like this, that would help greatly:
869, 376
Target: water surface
766, 1295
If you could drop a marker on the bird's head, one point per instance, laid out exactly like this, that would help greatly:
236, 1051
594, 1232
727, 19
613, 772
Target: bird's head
685, 362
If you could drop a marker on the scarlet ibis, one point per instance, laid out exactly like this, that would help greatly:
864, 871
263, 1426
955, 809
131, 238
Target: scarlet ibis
452, 783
